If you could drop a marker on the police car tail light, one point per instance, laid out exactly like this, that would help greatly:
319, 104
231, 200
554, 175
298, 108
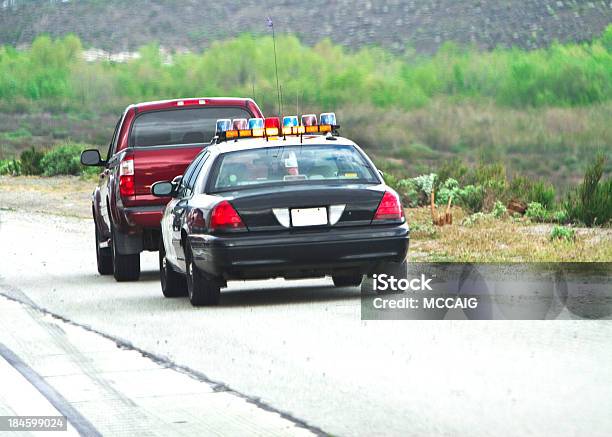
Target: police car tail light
389, 208
225, 217
272, 125
126, 177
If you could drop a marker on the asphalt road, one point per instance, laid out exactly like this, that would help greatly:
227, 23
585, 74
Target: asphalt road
300, 347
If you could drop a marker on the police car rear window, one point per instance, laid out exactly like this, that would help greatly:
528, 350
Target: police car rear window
180, 126
306, 164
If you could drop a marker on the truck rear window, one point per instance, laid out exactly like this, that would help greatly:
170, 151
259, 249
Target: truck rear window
180, 126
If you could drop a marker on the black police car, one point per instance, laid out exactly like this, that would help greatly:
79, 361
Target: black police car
274, 205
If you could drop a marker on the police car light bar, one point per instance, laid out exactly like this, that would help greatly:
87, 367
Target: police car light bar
271, 127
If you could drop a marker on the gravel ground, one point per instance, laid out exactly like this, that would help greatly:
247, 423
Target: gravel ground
61, 195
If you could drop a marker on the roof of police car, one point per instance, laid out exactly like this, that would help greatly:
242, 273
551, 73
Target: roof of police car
280, 141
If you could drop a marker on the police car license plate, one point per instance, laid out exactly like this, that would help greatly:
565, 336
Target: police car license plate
309, 216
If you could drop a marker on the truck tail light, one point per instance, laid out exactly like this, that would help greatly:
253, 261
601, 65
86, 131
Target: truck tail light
390, 208
126, 177
225, 217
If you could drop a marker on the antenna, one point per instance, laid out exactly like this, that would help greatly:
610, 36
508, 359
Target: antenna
270, 24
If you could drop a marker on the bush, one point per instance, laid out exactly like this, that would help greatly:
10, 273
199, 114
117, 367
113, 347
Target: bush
472, 197
542, 193
560, 216
591, 202
63, 160
536, 212
31, 160
406, 190
425, 183
562, 233
522, 188
499, 210
10, 167
450, 188
519, 187
454, 169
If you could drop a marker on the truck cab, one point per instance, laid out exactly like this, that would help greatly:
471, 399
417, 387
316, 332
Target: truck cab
152, 141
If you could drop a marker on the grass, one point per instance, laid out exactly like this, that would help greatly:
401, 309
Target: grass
502, 240
551, 143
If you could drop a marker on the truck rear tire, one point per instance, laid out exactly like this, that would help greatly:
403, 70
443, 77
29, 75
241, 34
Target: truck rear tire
104, 255
125, 267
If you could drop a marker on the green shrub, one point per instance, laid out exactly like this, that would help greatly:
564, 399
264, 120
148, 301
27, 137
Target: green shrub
11, 167
405, 188
31, 160
591, 202
472, 197
450, 188
562, 233
475, 218
499, 209
454, 169
560, 216
425, 183
522, 188
536, 212
63, 160
542, 193
519, 187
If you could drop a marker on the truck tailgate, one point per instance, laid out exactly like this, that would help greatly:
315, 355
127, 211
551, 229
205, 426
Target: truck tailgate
154, 164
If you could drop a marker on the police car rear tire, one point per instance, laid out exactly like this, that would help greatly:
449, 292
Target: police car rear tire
347, 280
202, 291
173, 284
397, 270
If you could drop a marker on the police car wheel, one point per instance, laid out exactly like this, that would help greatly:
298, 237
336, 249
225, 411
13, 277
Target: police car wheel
173, 284
202, 290
347, 280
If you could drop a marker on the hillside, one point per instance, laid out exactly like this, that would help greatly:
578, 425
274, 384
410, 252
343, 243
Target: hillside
395, 24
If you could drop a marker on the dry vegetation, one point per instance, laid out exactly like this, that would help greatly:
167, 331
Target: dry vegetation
501, 240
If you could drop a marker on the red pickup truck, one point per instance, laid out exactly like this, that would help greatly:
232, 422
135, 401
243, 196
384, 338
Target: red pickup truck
153, 141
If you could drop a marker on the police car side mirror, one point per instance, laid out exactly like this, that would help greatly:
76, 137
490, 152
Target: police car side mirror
163, 189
